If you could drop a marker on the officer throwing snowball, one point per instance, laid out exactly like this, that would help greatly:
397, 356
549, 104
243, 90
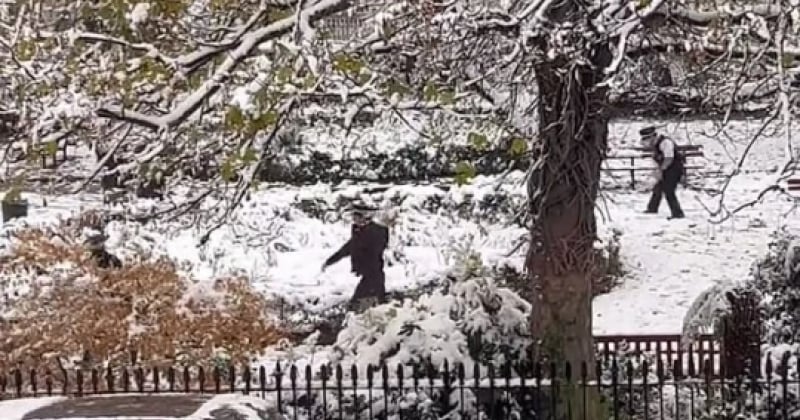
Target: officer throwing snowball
365, 248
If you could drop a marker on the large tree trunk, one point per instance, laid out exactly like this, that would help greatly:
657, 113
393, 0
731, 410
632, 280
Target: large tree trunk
563, 187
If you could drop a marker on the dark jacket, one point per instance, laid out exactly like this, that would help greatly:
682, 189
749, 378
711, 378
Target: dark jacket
105, 259
365, 248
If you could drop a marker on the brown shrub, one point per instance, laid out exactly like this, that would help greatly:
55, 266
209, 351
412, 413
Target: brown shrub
76, 309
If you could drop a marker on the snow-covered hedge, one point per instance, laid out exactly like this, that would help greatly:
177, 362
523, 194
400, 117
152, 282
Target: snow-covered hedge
443, 325
469, 319
778, 277
776, 281
499, 203
410, 163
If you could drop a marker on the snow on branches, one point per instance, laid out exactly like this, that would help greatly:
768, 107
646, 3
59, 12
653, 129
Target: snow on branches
177, 88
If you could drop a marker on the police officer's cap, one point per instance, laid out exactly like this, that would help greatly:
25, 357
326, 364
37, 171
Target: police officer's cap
362, 208
647, 131
96, 240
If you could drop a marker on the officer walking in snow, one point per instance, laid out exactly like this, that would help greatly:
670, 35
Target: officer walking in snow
367, 242
668, 174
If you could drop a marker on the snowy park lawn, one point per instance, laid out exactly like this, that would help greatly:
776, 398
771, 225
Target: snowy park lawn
281, 248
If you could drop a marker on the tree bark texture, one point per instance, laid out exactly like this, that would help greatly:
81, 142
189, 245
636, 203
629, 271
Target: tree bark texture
562, 189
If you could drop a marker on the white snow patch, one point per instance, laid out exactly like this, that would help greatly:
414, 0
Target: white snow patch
139, 15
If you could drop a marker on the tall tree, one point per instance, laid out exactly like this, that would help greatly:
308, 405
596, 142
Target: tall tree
176, 82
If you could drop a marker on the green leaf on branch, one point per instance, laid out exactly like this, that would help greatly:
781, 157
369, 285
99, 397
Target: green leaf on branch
249, 156
518, 147
195, 81
465, 172
284, 74
430, 93
262, 122
347, 65
264, 98
51, 148
234, 119
478, 141
309, 81
172, 9
218, 5
228, 169
392, 86
363, 78
276, 14
447, 97
270, 117
25, 49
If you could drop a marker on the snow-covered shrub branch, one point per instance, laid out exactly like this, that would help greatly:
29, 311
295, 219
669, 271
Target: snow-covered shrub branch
774, 282
215, 79
443, 325
471, 320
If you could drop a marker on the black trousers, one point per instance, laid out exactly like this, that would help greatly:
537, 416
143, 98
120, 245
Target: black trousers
371, 290
666, 187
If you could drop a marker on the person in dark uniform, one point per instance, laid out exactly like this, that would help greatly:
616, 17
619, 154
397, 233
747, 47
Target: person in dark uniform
104, 259
668, 174
367, 242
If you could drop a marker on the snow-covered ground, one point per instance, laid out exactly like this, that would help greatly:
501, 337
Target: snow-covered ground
281, 247
671, 262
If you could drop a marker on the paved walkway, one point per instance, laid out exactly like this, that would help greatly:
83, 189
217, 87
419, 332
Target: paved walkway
128, 406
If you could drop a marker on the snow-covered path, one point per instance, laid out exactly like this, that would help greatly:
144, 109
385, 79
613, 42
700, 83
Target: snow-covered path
670, 263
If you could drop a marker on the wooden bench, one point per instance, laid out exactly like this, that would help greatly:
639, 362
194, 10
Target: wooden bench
8, 119
115, 196
62, 145
688, 151
46, 159
793, 185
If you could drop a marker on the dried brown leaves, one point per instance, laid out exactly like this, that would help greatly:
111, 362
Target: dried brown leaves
74, 308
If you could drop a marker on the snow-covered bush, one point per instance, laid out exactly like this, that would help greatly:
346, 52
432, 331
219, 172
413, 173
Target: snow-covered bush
413, 162
777, 276
609, 267
774, 282
706, 312
440, 326
469, 319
